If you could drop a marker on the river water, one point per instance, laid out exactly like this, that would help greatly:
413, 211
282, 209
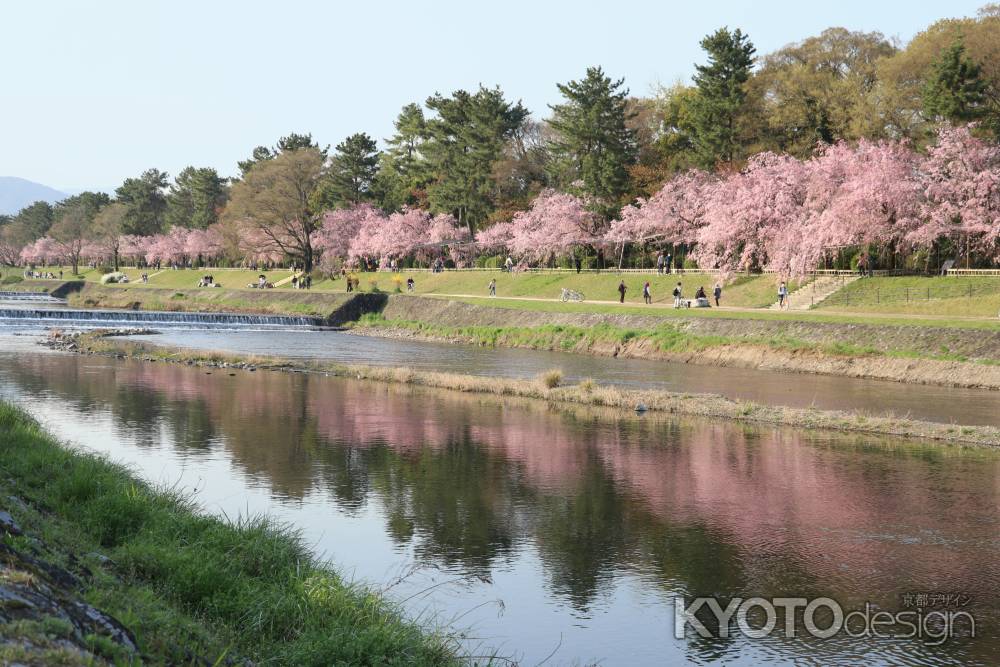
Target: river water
548, 532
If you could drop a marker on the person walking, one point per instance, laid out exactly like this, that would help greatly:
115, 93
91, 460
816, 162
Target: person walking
782, 295
717, 293
621, 292
659, 263
678, 295
577, 263
509, 264
493, 287
667, 263
646, 296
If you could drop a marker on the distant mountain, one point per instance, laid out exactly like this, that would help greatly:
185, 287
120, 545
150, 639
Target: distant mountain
16, 193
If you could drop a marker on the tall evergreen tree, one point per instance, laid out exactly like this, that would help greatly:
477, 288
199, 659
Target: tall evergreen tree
195, 198
351, 176
146, 202
402, 171
463, 142
593, 142
721, 86
956, 91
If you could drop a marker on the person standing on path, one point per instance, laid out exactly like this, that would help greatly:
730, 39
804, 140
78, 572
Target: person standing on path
493, 287
667, 263
646, 296
678, 295
659, 263
621, 292
782, 295
717, 293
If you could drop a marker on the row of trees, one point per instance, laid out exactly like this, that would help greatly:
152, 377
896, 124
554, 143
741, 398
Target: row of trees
601, 155
780, 213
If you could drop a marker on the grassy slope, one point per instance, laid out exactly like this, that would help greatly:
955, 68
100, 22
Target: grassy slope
186, 582
858, 298
936, 295
743, 291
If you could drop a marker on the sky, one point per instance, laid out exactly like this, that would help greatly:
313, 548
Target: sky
95, 92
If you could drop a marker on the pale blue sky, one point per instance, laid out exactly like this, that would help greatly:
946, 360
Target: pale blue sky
93, 92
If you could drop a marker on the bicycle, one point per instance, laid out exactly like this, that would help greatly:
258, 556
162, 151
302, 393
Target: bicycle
571, 295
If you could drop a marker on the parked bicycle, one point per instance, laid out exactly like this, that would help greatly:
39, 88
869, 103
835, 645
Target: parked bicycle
571, 295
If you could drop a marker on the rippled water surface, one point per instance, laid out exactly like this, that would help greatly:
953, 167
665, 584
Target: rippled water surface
548, 531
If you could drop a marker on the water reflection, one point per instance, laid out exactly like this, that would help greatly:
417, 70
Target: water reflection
583, 522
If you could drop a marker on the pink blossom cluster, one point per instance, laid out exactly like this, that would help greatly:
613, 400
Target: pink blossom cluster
555, 224
363, 232
176, 246
786, 214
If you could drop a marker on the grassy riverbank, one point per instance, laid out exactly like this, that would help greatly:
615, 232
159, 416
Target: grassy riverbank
549, 387
961, 354
185, 588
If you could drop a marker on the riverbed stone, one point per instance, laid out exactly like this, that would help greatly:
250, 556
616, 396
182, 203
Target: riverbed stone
8, 525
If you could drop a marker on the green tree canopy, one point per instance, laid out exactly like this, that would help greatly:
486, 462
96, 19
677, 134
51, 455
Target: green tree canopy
955, 91
351, 176
721, 95
145, 200
273, 204
195, 198
592, 140
290, 142
463, 142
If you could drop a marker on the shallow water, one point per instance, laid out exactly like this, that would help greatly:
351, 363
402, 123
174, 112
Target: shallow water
544, 530
932, 403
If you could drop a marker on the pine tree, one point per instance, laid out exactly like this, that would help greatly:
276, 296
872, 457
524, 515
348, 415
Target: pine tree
955, 91
721, 95
593, 142
352, 173
463, 143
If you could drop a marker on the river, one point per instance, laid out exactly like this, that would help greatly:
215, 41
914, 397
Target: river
548, 532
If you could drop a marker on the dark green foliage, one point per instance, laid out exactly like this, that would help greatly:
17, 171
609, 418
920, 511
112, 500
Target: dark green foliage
351, 175
462, 144
196, 198
721, 86
145, 201
956, 91
593, 142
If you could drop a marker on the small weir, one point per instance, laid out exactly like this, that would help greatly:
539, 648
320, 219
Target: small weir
95, 318
29, 296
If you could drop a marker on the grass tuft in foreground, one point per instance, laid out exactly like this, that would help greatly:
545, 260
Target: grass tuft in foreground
193, 589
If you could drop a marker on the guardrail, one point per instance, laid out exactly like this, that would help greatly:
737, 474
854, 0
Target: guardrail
878, 295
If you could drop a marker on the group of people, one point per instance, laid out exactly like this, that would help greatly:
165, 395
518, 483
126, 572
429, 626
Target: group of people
664, 263
305, 282
206, 281
262, 283
700, 297
40, 275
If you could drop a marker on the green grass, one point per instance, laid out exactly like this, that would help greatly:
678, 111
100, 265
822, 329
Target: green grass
187, 582
960, 296
743, 291
816, 315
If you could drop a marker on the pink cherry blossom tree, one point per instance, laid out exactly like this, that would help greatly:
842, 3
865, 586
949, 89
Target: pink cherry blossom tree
555, 224
960, 181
